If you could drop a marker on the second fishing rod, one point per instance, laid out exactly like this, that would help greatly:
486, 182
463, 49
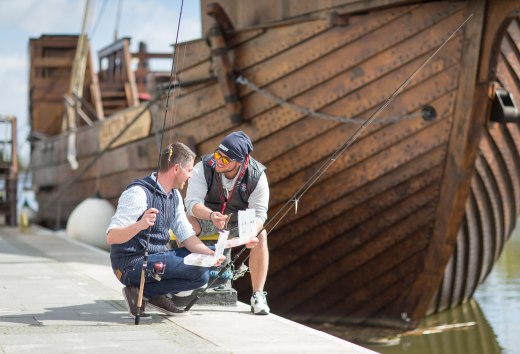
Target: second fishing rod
284, 210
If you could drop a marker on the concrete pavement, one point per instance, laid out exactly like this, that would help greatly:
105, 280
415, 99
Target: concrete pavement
60, 296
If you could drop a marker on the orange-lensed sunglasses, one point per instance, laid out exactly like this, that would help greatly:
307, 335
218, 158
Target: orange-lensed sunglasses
218, 156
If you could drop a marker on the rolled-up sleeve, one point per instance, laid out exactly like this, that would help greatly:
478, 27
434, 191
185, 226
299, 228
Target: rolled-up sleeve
181, 227
197, 188
259, 199
131, 205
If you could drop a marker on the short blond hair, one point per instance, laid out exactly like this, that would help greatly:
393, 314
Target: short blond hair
175, 153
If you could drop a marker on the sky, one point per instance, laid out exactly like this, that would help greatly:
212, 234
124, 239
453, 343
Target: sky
152, 21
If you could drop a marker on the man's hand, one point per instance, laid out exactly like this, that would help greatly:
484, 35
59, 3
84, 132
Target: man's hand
148, 218
218, 219
220, 260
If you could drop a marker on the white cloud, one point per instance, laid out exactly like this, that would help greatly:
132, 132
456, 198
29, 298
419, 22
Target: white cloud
151, 21
157, 25
13, 101
36, 17
13, 75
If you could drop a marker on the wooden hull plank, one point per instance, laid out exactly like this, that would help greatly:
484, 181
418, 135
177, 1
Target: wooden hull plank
315, 213
290, 246
366, 170
325, 267
376, 136
279, 117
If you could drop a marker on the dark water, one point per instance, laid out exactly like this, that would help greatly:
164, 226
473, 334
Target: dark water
488, 324
499, 296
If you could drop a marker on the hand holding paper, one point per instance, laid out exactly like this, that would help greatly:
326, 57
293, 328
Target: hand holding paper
246, 230
205, 260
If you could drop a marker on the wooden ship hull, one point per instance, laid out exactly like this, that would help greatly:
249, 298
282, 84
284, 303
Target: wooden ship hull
408, 221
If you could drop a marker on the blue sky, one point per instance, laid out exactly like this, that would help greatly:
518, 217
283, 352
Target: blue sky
152, 21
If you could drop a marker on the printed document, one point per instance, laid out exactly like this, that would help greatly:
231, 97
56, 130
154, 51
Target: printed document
206, 260
246, 228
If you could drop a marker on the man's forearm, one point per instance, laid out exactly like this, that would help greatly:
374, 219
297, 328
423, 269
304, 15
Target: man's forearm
120, 235
259, 225
194, 245
200, 211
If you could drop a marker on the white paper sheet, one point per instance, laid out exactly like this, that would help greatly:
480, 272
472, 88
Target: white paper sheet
246, 228
206, 260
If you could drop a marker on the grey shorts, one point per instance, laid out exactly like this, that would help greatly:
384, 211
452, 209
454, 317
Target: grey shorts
208, 228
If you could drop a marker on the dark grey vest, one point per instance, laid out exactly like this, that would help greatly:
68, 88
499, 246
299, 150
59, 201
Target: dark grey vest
129, 253
244, 187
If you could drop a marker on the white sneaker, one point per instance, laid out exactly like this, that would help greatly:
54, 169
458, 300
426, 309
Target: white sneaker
259, 303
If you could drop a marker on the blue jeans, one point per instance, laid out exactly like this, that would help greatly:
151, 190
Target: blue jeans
177, 275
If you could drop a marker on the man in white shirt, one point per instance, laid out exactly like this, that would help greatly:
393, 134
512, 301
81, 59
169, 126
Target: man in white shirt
223, 183
145, 213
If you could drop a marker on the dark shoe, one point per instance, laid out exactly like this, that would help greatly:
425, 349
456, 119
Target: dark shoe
131, 295
165, 305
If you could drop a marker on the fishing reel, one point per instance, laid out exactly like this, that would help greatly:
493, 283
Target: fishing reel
157, 271
240, 272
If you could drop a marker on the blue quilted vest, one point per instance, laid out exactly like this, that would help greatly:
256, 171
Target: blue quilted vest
129, 253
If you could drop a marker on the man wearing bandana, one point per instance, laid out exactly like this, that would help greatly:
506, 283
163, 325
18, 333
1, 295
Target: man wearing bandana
223, 183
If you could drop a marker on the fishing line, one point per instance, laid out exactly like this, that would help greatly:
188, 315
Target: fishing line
145, 259
98, 19
323, 168
284, 210
241, 79
118, 19
80, 174
176, 93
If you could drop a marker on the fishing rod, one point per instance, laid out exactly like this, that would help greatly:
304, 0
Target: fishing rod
282, 212
145, 257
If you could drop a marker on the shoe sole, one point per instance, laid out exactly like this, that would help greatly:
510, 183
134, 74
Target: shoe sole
261, 312
166, 312
142, 317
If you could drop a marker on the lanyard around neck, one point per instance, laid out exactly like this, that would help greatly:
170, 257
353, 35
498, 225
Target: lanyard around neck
221, 190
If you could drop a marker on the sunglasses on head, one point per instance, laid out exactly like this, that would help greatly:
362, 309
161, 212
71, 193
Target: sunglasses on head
224, 159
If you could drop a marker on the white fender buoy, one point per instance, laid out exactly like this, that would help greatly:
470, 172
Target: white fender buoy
88, 222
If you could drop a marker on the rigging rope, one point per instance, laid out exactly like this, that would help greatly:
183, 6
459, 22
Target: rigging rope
98, 19
156, 100
118, 19
145, 259
284, 210
177, 77
351, 139
242, 80
80, 174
